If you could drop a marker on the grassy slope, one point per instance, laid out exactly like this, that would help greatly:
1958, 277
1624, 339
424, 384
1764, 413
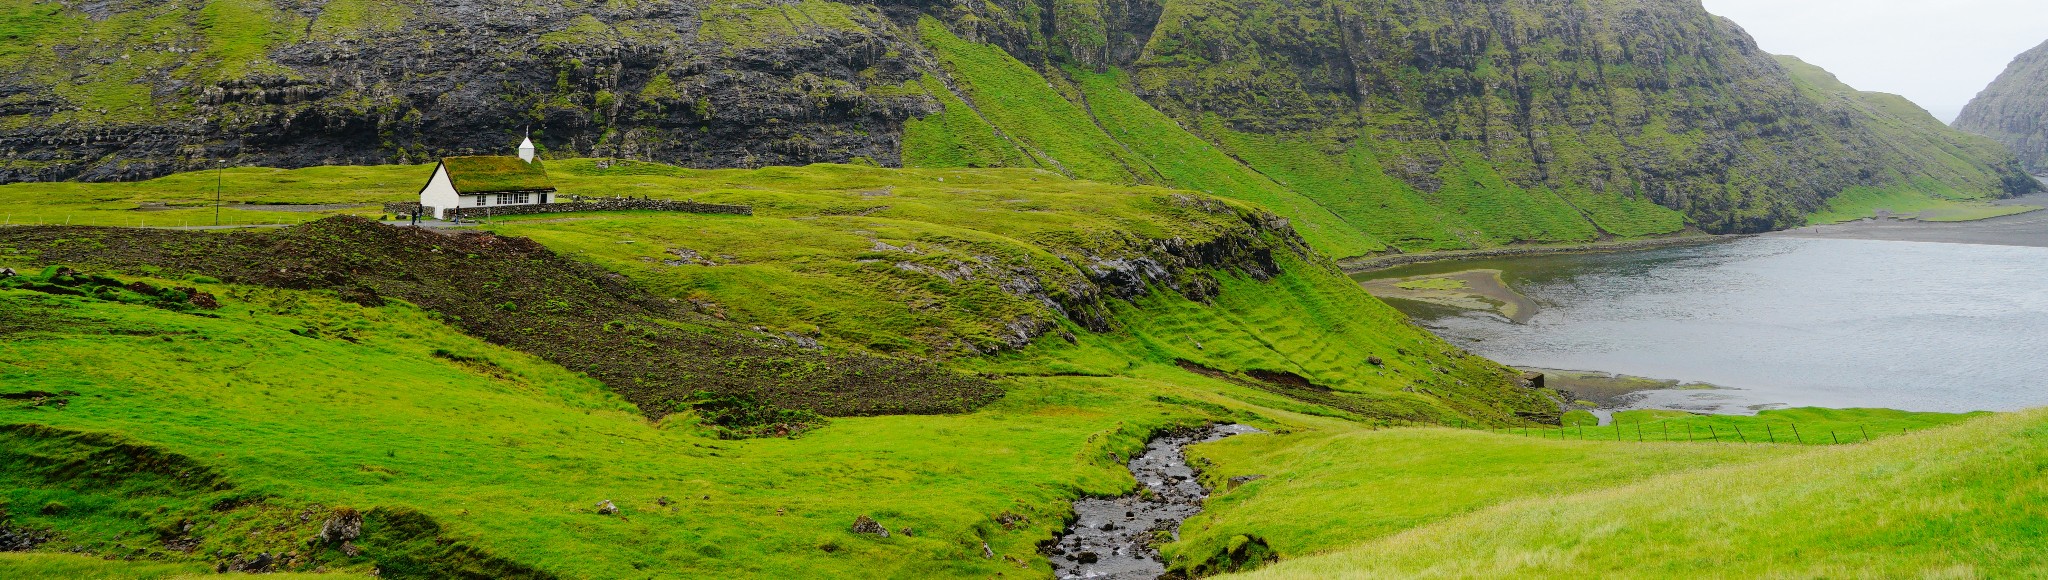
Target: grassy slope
1336, 488
1961, 501
1344, 203
511, 454
189, 197
835, 247
1944, 180
1809, 425
75, 566
1188, 162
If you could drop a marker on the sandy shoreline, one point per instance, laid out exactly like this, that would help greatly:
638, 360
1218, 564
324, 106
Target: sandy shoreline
2027, 229
1362, 265
1469, 290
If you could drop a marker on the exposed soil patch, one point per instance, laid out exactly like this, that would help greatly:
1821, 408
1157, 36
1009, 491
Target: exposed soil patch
1113, 538
661, 354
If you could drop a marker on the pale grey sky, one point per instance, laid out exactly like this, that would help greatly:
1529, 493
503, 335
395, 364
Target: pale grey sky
1938, 53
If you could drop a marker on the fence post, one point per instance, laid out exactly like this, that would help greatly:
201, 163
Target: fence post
1866, 433
1739, 436
1837, 438
1713, 434
1639, 432
1773, 435
1795, 434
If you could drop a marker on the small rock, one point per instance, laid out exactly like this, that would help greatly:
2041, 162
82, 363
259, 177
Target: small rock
985, 552
867, 525
1087, 557
1243, 479
1375, 361
606, 508
905, 531
347, 524
663, 501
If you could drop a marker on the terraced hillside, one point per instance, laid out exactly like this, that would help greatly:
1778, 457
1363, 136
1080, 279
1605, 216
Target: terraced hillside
1373, 125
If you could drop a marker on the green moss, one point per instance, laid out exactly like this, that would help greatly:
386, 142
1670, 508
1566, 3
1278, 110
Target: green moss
497, 173
748, 26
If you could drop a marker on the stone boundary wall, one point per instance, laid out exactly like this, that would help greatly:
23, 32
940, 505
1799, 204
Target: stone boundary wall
596, 204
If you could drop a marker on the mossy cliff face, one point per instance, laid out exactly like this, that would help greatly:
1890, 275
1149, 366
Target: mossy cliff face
129, 89
2014, 109
1373, 125
1436, 125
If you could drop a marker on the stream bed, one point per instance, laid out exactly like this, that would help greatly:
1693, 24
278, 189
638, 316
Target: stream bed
1112, 538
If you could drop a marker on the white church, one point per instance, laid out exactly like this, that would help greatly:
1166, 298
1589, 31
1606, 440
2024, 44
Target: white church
487, 181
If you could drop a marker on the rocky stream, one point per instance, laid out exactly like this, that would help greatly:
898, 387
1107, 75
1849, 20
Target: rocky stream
1112, 538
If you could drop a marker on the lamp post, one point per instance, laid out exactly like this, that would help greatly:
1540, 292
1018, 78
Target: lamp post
219, 168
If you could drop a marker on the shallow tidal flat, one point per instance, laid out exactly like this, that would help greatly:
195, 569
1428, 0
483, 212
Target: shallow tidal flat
1481, 289
1774, 321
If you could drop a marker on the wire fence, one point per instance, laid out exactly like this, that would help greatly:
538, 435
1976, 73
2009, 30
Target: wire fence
1661, 432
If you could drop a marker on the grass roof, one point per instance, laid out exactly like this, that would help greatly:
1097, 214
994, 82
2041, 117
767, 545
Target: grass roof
491, 174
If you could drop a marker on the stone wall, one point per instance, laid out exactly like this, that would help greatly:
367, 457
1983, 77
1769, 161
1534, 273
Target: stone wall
600, 204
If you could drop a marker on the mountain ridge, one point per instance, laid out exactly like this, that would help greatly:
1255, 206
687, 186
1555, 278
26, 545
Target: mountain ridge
2013, 109
1377, 125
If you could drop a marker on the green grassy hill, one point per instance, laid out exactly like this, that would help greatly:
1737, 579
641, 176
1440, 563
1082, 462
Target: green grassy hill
300, 399
1960, 501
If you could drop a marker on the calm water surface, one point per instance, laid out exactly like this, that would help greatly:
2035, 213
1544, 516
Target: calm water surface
1780, 321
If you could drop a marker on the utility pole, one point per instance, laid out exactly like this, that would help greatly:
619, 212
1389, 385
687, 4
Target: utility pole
219, 169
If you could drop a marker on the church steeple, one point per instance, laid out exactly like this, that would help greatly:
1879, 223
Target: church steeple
526, 150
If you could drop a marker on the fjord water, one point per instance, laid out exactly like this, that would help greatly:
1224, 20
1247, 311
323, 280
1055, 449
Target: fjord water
1781, 322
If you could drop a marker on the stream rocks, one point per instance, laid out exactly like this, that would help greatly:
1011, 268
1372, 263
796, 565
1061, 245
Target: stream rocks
1112, 538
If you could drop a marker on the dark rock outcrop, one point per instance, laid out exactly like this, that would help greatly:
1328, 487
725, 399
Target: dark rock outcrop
2014, 109
295, 84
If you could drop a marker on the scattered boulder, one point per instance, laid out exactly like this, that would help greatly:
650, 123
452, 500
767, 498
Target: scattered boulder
347, 524
868, 526
1375, 361
606, 508
905, 531
1087, 557
19, 539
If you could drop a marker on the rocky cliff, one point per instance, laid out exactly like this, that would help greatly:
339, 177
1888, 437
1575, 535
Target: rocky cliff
128, 89
1375, 125
2014, 109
